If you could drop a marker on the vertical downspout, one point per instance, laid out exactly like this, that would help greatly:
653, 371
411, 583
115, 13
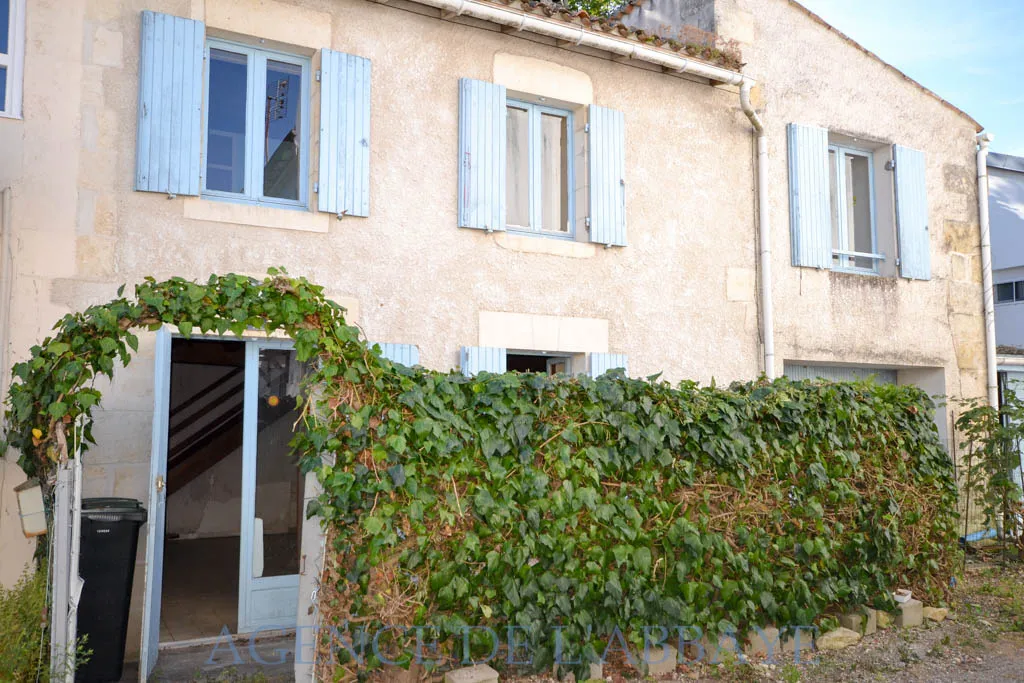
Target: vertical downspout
764, 252
986, 270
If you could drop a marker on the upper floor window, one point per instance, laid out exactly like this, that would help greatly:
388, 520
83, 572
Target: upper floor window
539, 169
257, 139
851, 186
517, 163
857, 205
12, 36
1009, 292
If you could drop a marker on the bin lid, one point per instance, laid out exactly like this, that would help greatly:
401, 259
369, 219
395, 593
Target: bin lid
113, 509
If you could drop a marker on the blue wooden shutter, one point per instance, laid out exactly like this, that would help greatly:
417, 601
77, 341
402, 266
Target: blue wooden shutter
607, 154
344, 182
482, 125
474, 359
406, 354
601, 363
810, 203
167, 150
912, 213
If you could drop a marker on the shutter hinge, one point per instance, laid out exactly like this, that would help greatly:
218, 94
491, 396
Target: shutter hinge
316, 188
890, 165
586, 127
318, 75
587, 222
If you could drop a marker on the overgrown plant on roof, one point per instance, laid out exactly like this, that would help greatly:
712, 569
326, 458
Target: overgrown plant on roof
568, 508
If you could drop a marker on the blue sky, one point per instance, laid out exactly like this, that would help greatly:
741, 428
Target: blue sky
970, 53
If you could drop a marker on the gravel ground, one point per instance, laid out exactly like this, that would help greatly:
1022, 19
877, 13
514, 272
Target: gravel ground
981, 640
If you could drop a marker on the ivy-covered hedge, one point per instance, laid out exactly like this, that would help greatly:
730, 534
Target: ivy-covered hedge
538, 502
623, 503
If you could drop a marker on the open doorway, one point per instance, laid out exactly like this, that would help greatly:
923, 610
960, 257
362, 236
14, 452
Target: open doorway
538, 362
204, 489
233, 507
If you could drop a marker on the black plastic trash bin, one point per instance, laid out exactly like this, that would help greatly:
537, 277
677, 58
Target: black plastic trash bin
110, 539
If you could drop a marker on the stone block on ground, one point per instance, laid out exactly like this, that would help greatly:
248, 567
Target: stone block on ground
763, 643
661, 660
596, 671
726, 648
838, 639
481, 673
909, 614
863, 620
935, 613
870, 620
802, 640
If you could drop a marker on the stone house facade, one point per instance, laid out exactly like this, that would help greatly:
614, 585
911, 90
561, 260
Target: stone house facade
483, 185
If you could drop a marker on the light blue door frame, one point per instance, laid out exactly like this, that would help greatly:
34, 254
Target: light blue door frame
269, 602
263, 602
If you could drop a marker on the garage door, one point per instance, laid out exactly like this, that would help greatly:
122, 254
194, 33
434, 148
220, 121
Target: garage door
839, 373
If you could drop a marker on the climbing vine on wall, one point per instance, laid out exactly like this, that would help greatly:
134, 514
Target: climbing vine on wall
556, 505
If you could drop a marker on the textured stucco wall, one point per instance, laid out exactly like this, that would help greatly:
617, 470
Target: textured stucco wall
679, 299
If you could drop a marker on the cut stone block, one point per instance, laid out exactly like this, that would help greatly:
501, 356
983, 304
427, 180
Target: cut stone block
853, 621
596, 671
870, 620
727, 647
481, 673
910, 613
935, 613
864, 621
661, 660
838, 639
801, 640
763, 643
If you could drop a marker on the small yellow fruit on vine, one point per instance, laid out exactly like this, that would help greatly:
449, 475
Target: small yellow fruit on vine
272, 401
38, 433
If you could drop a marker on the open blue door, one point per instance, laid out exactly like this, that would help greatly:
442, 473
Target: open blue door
157, 505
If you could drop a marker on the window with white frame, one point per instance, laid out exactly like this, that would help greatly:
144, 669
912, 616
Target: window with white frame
851, 183
12, 36
257, 125
539, 179
1010, 292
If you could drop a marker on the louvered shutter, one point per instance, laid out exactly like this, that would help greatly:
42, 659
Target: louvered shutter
810, 207
482, 131
344, 182
167, 152
475, 359
601, 363
912, 213
406, 354
607, 170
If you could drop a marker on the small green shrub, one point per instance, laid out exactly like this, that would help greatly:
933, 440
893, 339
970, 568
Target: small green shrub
22, 611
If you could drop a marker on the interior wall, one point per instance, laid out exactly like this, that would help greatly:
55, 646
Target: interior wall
211, 504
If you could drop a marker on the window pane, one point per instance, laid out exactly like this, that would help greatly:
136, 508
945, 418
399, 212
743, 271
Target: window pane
858, 208
833, 183
554, 173
3, 88
225, 153
517, 182
1004, 292
282, 133
278, 479
5, 25
1018, 290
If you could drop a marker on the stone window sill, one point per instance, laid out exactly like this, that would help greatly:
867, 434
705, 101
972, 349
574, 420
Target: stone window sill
199, 209
544, 245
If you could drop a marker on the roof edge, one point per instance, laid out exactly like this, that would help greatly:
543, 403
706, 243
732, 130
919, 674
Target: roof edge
1007, 162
